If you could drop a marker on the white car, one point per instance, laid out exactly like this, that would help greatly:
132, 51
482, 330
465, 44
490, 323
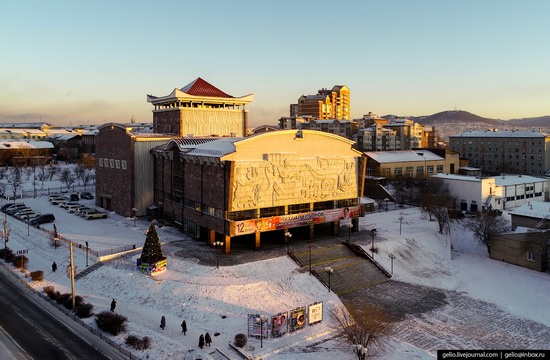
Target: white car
30, 216
75, 208
95, 215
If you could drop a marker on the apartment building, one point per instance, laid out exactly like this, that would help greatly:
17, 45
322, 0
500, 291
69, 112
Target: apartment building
496, 152
326, 104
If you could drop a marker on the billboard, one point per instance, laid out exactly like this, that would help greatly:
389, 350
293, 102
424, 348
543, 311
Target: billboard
294, 220
279, 324
297, 318
315, 313
255, 327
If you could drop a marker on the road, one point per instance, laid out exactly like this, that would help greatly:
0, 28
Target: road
30, 328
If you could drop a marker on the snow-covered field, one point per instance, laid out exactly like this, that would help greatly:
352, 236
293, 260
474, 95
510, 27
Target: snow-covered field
218, 300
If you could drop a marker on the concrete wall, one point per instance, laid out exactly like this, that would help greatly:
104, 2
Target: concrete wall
513, 249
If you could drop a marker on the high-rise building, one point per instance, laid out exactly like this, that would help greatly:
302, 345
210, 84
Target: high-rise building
326, 104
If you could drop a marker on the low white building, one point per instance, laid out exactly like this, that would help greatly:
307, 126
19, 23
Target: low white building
474, 193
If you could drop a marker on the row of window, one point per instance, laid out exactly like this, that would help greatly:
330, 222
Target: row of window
112, 163
520, 197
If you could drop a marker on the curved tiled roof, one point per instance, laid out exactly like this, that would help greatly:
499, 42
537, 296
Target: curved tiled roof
200, 87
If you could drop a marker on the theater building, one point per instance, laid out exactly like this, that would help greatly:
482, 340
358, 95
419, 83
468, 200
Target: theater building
242, 189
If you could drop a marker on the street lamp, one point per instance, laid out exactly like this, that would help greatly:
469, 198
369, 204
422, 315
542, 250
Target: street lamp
329, 271
372, 234
310, 242
349, 226
261, 319
216, 245
401, 217
134, 212
360, 351
86, 254
392, 257
288, 236
386, 201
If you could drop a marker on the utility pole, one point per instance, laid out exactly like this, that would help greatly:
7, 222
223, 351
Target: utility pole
72, 272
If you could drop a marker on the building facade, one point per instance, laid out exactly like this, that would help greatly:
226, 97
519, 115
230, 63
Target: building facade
326, 104
242, 189
409, 163
200, 109
496, 152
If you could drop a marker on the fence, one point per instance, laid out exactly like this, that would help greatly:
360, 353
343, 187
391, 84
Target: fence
33, 193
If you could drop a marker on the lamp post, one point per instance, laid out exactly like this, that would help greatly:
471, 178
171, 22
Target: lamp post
392, 257
216, 245
401, 217
261, 319
360, 351
288, 236
372, 234
349, 226
386, 201
310, 242
329, 271
134, 213
86, 254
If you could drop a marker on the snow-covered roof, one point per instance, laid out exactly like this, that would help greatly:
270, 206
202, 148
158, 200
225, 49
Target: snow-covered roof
13, 131
402, 156
457, 177
218, 148
507, 180
500, 134
25, 145
534, 209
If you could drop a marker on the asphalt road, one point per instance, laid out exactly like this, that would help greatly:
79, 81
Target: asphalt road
30, 330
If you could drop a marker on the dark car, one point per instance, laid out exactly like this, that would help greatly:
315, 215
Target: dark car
86, 195
42, 219
74, 197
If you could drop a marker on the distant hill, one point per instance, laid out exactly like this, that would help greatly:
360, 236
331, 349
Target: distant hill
452, 122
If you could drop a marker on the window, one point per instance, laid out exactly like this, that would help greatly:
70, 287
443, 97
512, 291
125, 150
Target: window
409, 169
123, 164
398, 171
117, 164
100, 162
430, 169
439, 168
112, 163
530, 256
420, 169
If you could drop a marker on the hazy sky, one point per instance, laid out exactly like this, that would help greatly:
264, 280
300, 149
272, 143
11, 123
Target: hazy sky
73, 62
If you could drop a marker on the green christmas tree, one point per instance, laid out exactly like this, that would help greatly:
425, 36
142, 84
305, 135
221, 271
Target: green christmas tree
151, 250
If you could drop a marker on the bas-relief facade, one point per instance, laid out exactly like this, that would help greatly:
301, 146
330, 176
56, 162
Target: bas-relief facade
284, 179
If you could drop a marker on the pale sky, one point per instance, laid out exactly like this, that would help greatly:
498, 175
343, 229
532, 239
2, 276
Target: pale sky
72, 62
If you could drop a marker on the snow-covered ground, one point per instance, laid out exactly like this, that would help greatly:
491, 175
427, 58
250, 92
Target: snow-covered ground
219, 300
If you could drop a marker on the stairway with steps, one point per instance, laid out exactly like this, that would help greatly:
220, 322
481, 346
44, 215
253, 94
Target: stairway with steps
88, 270
351, 272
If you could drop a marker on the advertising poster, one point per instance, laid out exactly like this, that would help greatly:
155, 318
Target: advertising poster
315, 313
289, 221
279, 324
297, 318
255, 327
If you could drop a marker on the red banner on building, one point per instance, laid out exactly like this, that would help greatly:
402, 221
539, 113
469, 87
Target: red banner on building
295, 220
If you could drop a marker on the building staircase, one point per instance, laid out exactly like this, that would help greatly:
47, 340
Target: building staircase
88, 270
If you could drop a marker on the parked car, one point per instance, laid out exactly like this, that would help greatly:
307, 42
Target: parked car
28, 216
22, 212
55, 195
13, 209
75, 208
86, 195
42, 219
6, 206
74, 197
66, 204
83, 212
57, 200
95, 215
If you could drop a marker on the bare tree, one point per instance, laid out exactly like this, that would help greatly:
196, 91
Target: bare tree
67, 177
485, 225
435, 200
52, 171
366, 330
79, 172
15, 180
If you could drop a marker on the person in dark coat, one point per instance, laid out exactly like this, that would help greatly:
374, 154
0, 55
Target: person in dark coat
54, 266
162, 322
207, 340
184, 327
113, 305
201, 341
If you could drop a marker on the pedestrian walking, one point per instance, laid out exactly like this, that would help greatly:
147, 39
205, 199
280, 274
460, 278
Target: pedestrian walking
207, 340
113, 305
162, 322
201, 341
184, 327
54, 266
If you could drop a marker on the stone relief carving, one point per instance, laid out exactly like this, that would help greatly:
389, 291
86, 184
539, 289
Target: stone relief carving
280, 180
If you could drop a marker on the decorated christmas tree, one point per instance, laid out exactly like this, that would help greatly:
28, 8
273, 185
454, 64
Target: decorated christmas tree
151, 261
151, 250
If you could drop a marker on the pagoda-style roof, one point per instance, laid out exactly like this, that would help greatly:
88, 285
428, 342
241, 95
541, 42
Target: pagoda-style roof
200, 90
